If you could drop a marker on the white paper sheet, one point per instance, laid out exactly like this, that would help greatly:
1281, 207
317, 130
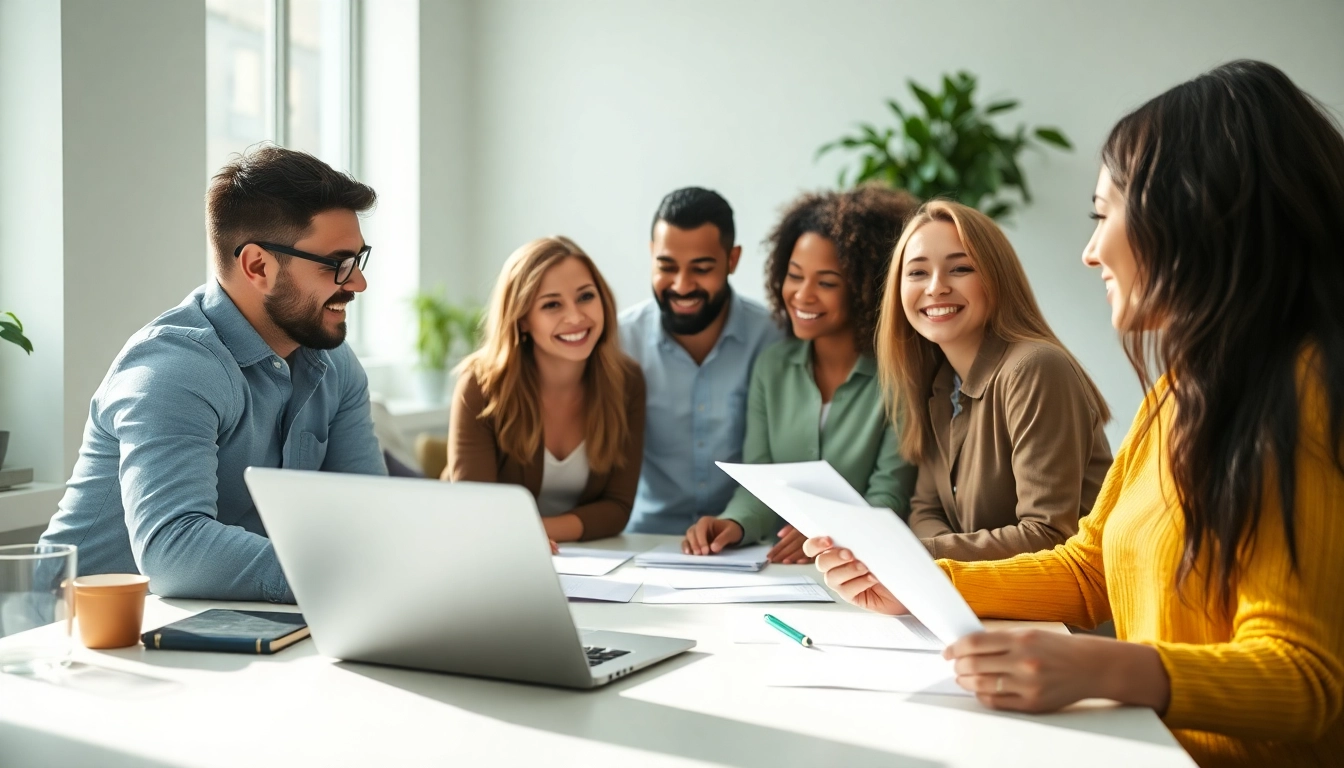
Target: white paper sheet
586, 561
597, 588
737, 559
783, 593
847, 630
876, 536
865, 669
683, 578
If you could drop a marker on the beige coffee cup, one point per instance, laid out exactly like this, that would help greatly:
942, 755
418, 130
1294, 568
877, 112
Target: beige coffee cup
109, 608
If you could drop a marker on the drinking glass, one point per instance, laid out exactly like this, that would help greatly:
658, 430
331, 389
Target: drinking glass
36, 607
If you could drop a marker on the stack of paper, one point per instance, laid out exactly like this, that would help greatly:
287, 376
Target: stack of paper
703, 587
670, 556
816, 500
584, 561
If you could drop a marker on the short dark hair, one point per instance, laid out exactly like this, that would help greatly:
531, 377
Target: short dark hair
271, 194
694, 207
863, 224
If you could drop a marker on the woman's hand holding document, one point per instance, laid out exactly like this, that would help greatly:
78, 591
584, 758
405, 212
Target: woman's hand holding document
868, 554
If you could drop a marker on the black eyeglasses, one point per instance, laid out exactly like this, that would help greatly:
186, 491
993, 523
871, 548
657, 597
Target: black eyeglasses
344, 267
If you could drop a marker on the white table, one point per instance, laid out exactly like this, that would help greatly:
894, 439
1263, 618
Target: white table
134, 707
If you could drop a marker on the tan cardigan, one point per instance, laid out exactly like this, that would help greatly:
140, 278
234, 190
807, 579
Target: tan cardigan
473, 454
1019, 465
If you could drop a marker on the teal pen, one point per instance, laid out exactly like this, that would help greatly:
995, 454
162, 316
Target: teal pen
792, 633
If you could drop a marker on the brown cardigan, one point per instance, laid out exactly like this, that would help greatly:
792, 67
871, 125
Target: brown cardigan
1019, 465
473, 454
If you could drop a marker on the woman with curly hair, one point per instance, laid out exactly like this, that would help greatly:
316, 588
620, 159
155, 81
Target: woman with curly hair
815, 395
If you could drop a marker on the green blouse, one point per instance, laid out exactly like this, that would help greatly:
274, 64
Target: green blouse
783, 420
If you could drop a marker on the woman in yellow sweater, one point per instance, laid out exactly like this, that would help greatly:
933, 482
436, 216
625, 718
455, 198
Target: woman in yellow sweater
1217, 540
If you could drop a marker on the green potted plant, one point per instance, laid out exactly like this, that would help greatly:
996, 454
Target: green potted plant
952, 150
11, 330
440, 327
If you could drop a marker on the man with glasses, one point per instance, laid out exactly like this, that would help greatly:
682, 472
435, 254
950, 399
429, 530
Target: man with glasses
251, 369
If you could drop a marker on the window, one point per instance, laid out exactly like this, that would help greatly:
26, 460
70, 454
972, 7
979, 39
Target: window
261, 54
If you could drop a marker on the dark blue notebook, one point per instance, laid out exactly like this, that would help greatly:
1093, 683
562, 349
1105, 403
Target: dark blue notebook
226, 631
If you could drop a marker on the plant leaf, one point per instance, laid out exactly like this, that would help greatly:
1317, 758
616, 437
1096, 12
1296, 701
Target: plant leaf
933, 105
999, 210
896, 108
1053, 136
1001, 106
12, 333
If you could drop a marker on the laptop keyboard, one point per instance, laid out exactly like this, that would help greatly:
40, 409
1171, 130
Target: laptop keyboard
598, 655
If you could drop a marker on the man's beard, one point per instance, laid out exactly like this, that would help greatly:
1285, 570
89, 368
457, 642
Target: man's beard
292, 313
688, 325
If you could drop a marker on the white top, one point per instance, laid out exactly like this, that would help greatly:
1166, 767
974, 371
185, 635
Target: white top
562, 482
825, 411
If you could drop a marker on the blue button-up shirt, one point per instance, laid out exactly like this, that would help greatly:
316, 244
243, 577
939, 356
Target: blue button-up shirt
193, 399
696, 414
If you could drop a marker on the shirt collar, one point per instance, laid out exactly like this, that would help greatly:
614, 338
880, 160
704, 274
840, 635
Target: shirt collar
992, 349
801, 355
243, 341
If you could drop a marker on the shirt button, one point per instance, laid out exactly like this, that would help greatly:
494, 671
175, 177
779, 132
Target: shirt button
702, 485
954, 489
277, 364
700, 407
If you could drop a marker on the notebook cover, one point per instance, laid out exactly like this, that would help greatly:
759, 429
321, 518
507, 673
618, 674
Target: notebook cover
220, 630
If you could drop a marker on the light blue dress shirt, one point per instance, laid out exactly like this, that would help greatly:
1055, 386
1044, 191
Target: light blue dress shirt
696, 414
193, 399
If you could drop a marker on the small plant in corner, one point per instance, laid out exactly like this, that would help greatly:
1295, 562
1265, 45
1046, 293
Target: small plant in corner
952, 150
436, 330
12, 331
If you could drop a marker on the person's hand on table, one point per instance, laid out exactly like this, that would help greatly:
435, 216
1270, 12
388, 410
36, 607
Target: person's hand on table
790, 547
1034, 670
710, 535
850, 578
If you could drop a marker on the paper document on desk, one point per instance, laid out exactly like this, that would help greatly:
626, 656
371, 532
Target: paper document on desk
865, 669
685, 578
586, 561
734, 559
778, 593
597, 588
811, 496
847, 630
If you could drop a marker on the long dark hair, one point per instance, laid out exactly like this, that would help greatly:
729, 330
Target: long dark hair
1234, 187
863, 224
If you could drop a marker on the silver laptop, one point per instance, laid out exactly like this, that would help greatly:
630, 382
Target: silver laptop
451, 577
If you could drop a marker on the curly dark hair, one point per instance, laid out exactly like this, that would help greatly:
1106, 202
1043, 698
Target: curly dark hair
864, 224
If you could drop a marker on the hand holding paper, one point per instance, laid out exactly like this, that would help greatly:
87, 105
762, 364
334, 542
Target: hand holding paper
816, 500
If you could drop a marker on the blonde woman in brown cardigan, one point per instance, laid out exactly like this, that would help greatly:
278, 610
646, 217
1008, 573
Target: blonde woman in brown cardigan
1004, 424
549, 402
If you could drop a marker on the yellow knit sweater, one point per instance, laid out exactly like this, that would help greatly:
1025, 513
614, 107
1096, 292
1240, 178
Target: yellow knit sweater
1261, 684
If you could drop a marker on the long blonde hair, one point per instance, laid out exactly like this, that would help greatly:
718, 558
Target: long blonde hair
506, 369
907, 362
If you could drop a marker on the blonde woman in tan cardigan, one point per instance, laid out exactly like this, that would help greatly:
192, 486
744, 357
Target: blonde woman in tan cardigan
549, 402
1004, 424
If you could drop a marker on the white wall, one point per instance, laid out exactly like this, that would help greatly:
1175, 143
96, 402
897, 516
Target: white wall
587, 111
102, 196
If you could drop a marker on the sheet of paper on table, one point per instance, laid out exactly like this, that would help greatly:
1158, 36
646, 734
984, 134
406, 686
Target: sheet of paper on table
776, 593
735, 559
586, 561
598, 588
865, 669
848, 630
818, 501
684, 578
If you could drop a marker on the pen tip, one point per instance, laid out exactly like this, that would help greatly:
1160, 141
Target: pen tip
807, 641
